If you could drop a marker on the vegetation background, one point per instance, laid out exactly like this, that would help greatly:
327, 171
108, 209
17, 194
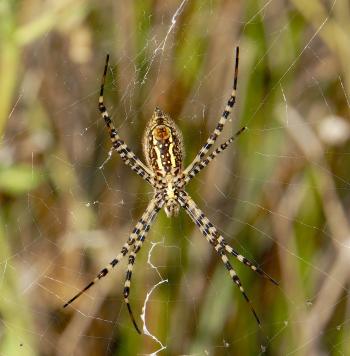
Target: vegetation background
280, 195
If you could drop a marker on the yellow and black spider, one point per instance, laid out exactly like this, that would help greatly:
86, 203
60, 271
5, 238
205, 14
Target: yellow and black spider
163, 149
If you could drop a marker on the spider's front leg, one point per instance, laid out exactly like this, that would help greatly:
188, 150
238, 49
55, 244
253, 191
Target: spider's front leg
118, 145
217, 241
221, 123
206, 160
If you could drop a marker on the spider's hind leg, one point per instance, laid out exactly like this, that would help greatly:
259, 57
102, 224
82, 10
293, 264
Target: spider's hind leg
220, 250
132, 257
141, 228
212, 235
208, 232
127, 284
245, 261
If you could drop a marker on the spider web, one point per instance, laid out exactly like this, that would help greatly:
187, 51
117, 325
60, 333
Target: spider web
280, 195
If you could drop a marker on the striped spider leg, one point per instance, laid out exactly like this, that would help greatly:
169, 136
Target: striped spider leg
206, 160
126, 154
132, 257
212, 235
139, 233
221, 123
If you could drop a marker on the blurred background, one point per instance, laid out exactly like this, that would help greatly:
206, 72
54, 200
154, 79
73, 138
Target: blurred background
280, 194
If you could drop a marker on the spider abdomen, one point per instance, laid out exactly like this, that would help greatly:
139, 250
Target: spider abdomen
163, 145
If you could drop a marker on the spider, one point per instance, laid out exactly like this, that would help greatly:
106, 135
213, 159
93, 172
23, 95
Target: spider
163, 149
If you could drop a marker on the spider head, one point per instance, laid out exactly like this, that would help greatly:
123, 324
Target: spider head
171, 208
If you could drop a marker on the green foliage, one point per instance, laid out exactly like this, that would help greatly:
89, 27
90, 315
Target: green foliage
20, 179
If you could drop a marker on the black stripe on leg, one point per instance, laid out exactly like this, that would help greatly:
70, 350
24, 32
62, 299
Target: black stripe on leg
102, 273
226, 114
132, 318
79, 294
114, 262
231, 101
126, 291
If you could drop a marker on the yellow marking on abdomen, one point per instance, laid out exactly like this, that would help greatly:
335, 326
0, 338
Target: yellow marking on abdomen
172, 156
159, 158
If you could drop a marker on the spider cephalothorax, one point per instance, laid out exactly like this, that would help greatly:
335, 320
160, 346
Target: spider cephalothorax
163, 150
